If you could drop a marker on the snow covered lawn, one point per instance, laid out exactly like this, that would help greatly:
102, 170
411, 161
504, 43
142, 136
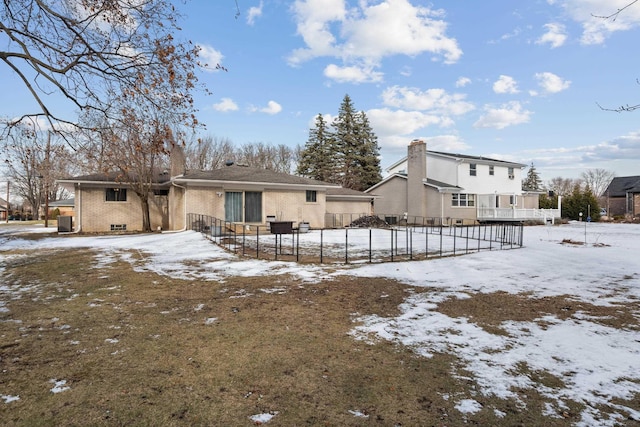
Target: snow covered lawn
584, 350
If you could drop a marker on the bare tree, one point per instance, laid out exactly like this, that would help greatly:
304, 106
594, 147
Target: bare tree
597, 180
35, 159
563, 186
208, 153
89, 50
613, 16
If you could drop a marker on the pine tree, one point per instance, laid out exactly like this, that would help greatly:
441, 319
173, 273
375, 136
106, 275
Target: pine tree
316, 159
532, 182
348, 155
357, 145
368, 156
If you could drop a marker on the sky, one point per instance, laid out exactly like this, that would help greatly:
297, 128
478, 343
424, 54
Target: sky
597, 362
526, 81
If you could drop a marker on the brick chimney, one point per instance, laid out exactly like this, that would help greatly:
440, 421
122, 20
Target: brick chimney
178, 161
416, 174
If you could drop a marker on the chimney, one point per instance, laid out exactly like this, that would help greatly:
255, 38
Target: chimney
416, 174
178, 161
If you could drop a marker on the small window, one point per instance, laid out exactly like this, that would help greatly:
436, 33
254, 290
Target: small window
472, 169
491, 171
513, 200
312, 196
463, 200
162, 192
116, 195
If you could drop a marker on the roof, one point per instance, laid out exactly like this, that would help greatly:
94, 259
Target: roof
478, 159
249, 175
64, 202
620, 186
161, 177
439, 185
347, 193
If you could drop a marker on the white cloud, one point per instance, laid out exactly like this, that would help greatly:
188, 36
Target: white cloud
505, 84
272, 108
463, 81
254, 12
398, 122
446, 143
551, 83
434, 100
590, 14
353, 74
211, 57
354, 36
556, 35
508, 114
225, 104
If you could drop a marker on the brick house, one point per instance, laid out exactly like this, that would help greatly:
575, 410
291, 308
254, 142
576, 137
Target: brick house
622, 196
235, 193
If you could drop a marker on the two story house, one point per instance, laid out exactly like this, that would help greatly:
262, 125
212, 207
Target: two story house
431, 184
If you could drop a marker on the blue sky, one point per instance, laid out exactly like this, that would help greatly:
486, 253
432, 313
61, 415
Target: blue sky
518, 81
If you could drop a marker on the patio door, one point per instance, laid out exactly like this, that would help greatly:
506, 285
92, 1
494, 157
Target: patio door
233, 206
237, 203
253, 206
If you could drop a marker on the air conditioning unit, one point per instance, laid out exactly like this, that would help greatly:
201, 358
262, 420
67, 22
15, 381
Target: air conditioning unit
511, 177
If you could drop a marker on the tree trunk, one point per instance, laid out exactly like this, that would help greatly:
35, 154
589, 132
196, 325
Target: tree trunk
146, 217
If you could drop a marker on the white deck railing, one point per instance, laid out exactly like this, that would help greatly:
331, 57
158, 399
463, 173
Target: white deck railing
505, 214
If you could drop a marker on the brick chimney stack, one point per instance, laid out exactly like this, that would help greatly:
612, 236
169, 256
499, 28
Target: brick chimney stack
416, 174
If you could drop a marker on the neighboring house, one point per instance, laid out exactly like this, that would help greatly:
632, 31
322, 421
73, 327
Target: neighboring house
235, 193
431, 184
3, 209
623, 196
64, 206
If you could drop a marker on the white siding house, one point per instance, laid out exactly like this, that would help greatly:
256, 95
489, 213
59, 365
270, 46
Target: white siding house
457, 186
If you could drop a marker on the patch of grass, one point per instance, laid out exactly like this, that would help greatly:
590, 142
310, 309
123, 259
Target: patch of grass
138, 348
489, 311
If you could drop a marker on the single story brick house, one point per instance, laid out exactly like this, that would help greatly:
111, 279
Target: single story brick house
235, 193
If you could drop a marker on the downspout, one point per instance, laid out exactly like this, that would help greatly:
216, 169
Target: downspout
184, 203
78, 202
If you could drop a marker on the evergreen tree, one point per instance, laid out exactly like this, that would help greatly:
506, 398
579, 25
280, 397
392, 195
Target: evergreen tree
580, 201
357, 145
532, 182
348, 155
368, 156
317, 158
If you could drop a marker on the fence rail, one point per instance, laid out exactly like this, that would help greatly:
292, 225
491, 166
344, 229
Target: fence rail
425, 239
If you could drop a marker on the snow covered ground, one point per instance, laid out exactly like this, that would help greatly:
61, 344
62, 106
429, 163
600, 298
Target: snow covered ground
599, 364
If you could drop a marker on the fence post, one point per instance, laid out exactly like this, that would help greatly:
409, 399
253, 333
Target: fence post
370, 246
391, 244
321, 240
258, 243
346, 246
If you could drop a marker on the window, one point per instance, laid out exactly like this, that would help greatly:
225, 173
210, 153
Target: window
491, 171
312, 196
463, 200
472, 169
513, 200
511, 175
116, 195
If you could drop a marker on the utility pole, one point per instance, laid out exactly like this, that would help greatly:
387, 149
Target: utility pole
46, 180
7, 202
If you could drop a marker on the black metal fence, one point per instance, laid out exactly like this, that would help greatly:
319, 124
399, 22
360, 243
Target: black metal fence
427, 239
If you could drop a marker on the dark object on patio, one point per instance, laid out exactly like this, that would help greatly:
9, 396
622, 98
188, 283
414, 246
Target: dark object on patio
282, 227
369, 222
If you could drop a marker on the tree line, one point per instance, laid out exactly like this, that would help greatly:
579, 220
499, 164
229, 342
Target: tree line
579, 195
